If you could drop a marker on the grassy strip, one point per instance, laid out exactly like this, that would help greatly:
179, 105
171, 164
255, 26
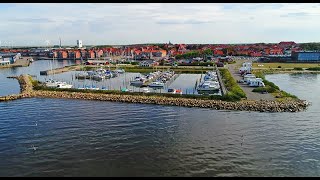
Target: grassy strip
235, 93
117, 92
298, 68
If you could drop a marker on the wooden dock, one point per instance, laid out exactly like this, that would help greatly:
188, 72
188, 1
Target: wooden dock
60, 70
222, 86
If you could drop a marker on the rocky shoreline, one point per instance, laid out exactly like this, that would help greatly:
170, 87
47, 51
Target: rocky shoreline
244, 105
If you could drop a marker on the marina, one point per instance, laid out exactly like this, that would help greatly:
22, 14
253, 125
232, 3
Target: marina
118, 79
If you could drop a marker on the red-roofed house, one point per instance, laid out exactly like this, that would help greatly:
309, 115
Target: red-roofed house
90, 54
284, 44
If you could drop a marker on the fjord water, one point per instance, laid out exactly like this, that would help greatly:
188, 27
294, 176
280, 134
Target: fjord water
93, 138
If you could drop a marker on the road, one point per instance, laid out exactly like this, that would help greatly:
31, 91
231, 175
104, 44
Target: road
234, 70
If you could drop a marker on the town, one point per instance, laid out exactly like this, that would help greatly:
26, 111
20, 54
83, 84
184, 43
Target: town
165, 54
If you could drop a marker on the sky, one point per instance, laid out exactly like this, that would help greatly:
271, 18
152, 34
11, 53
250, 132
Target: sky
30, 24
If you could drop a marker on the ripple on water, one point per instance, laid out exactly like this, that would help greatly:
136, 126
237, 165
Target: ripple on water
82, 138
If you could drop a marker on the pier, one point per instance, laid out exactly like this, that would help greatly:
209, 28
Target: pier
222, 86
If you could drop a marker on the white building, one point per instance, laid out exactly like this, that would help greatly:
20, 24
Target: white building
79, 43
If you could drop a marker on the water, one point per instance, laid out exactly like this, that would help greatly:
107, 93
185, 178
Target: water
185, 82
11, 86
93, 138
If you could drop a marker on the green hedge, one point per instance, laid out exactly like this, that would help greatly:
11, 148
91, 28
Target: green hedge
298, 68
314, 69
235, 93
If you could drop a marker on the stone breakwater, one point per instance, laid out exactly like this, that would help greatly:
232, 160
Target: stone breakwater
26, 89
245, 105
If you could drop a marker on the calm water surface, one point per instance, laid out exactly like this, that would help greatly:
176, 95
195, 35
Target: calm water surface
92, 138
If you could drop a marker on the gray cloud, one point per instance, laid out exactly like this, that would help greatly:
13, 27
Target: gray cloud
189, 21
297, 14
32, 20
139, 23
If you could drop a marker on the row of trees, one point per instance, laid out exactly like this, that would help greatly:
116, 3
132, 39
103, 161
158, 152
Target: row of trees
310, 46
194, 54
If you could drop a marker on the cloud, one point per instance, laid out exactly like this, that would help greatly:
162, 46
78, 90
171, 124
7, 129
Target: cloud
32, 20
297, 14
189, 21
156, 22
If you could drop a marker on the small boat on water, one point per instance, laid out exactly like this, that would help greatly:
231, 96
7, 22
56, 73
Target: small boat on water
210, 76
174, 91
57, 84
156, 84
92, 88
82, 75
64, 86
126, 90
98, 77
52, 83
145, 90
209, 86
120, 71
138, 81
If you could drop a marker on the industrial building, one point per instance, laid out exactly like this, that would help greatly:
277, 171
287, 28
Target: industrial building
298, 56
306, 56
9, 57
79, 43
4, 61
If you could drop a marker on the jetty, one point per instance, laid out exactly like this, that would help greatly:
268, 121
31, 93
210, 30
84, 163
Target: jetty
60, 70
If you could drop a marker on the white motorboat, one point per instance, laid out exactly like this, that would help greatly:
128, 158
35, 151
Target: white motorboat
145, 90
82, 75
64, 85
99, 77
138, 81
174, 91
120, 71
92, 88
52, 83
210, 76
209, 86
156, 84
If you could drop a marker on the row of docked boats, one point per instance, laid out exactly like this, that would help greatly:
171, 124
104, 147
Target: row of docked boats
210, 82
99, 74
141, 80
158, 79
